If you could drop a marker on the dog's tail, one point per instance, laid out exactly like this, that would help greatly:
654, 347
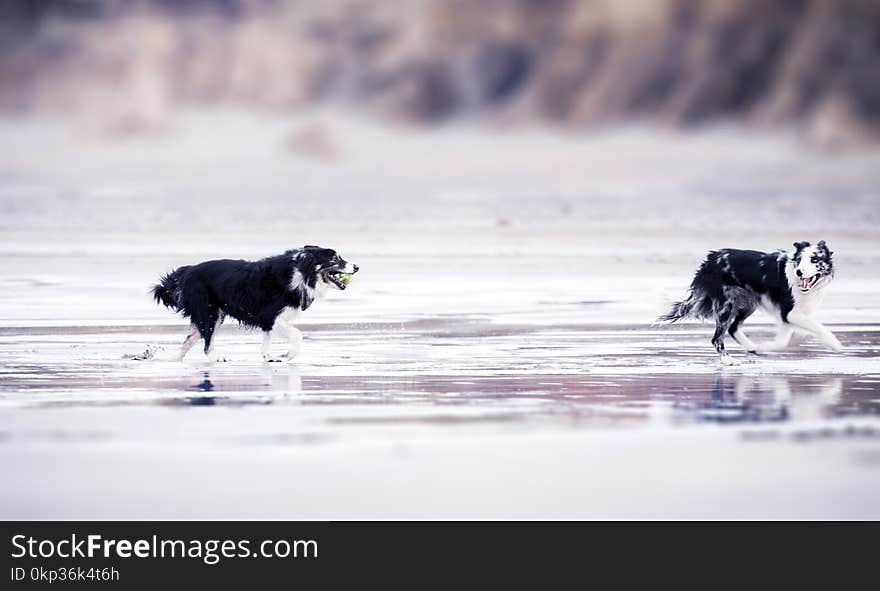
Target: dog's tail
167, 291
680, 310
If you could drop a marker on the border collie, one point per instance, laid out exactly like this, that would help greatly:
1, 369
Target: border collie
731, 284
267, 294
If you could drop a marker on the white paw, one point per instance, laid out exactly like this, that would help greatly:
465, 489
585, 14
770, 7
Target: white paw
218, 359
766, 349
728, 360
270, 359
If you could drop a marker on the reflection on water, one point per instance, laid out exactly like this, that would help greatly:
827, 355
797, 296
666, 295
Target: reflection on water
205, 385
364, 437
236, 396
766, 399
584, 400
580, 401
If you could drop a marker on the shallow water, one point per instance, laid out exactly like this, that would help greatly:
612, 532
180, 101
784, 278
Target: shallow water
118, 431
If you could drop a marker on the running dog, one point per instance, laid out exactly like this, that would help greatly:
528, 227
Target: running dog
731, 284
267, 294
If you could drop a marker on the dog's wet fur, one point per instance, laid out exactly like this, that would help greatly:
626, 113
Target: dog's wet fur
267, 294
731, 284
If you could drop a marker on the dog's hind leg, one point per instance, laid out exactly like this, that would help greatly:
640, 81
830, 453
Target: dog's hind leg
737, 333
208, 330
191, 339
723, 320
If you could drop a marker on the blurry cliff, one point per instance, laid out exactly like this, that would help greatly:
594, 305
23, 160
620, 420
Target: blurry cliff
126, 65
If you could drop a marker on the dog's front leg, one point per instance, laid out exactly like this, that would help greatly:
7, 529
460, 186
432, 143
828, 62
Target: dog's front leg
745, 342
267, 343
823, 334
266, 350
294, 335
296, 338
212, 354
782, 340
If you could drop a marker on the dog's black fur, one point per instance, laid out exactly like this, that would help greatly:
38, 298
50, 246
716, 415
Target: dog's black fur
254, 293
731, 284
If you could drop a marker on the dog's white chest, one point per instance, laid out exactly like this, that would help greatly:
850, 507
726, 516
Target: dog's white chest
805, 303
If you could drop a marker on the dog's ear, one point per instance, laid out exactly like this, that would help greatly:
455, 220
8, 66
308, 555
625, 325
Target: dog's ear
302, 258
801, 245
822, 246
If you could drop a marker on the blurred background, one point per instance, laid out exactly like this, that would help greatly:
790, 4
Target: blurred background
126, 66
615, 114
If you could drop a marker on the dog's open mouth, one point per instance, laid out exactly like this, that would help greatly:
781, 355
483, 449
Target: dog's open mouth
807, 283
333, 277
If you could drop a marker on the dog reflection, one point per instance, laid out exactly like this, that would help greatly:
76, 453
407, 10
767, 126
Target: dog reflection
287, 381
285, 384
767, 399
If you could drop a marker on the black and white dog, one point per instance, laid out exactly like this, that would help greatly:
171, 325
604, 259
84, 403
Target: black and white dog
267, 294
731, 284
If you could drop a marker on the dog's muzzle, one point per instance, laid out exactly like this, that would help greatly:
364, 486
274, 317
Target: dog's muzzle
805, 284
331, 275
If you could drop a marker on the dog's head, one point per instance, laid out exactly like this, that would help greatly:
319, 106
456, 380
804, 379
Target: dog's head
812, 265
326, 263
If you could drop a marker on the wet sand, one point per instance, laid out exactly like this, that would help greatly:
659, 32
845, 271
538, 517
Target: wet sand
446, 418
494, 358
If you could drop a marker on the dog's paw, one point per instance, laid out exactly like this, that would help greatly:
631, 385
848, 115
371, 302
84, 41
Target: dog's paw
218, 359
270, 359
836, 346
768, 348
728, 360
